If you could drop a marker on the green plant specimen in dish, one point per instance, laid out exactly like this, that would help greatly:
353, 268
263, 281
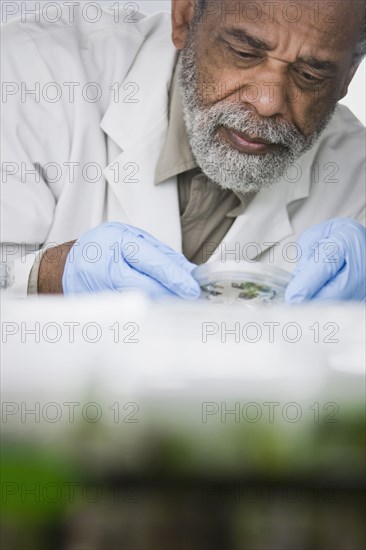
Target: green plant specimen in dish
213, 290
236, 291
253, 290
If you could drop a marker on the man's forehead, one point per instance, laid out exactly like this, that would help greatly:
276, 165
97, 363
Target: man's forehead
331, 26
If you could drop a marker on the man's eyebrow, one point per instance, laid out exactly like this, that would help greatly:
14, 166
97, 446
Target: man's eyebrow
319, 64
242, 35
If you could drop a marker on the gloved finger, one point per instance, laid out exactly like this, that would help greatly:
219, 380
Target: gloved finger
341, 287
317, 250
109, 273
154, 292
348, 284
316, 232
124, 278
178, 257
307, 282
120, 277
151, 261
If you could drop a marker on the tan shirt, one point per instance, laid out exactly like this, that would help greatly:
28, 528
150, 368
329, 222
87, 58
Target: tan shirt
206, 211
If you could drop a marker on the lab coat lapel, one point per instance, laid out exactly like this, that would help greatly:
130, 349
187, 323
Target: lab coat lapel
154, 208
139, 128
266, 220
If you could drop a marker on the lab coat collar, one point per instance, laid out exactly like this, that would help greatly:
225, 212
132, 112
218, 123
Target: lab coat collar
139, 128
143, 95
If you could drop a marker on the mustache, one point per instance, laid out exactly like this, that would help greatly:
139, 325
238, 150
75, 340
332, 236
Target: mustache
279, 132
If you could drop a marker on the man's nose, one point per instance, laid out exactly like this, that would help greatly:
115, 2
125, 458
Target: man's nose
267, 94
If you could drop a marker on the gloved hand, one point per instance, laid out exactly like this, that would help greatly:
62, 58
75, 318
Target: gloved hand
116, 256
332, 265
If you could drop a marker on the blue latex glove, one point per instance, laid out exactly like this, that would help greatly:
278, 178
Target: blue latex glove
332, 265
115, 256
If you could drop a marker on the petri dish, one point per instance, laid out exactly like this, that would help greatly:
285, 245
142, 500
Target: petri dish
6, 275
250, 285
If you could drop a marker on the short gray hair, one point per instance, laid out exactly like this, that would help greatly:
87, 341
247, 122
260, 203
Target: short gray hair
360, 48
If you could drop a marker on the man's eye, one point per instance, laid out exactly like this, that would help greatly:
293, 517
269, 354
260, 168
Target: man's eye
244, 55
309, 77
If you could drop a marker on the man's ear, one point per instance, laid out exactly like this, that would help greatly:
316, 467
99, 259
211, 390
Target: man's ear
348, 80
182, 14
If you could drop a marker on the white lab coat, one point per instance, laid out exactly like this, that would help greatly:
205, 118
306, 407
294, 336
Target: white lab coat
122, 133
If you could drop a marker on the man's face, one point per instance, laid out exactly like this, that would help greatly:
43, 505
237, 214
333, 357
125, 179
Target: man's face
260, 81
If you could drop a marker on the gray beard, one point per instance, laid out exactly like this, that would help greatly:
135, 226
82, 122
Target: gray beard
222, 163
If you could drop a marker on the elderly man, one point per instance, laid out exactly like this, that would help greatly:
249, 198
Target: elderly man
128, 160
